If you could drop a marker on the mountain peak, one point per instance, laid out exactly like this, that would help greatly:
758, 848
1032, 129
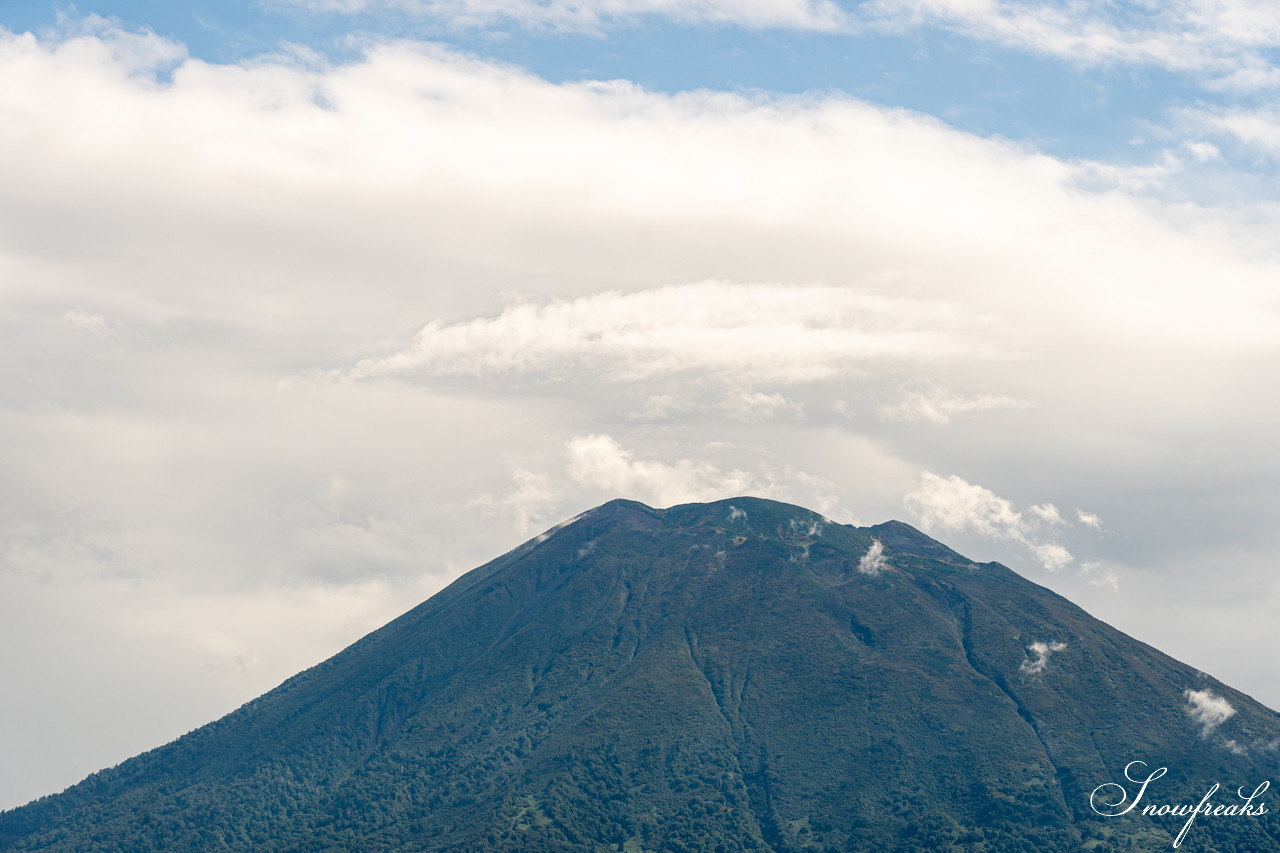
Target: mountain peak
741, 675
903, 538
746, 517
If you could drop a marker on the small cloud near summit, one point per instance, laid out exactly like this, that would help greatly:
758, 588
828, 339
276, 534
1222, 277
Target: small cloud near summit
1088, 519
873, 562
1048, 513
952, 503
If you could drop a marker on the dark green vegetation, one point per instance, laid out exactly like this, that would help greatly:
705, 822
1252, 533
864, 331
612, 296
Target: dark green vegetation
718, 677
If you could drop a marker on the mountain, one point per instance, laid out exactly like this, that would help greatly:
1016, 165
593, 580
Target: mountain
742, 675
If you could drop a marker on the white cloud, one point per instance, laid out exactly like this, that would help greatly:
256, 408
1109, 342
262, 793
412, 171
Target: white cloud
749, 333
1208, 709
873, 562
1088, 519
97, 41
952, 503
1203, 152
939, 406
1051, 555
1256, 128
661, 407
86, 320
754, 406
320, 174
601, 463
1048, 513
1138, 178
591, 469
1040, 656
596, 15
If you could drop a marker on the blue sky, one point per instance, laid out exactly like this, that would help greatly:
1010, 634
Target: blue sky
309, 308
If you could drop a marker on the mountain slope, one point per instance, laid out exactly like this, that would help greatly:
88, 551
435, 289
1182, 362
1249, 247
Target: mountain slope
742, 675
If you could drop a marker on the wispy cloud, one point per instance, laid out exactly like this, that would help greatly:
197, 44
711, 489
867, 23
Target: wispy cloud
873, 562
1047, 512
1098, 573
1088, 519
1051, 555
1255, 128
531, 502
939, 406
754, 406
954, 504
601, 463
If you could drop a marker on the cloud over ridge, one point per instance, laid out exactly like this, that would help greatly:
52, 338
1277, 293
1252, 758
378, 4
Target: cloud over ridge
954, 504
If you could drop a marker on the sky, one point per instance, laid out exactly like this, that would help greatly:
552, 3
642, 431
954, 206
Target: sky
309, 306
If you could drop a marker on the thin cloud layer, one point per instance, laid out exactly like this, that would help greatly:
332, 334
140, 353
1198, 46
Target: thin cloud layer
939, 406
1097, 573
762, 333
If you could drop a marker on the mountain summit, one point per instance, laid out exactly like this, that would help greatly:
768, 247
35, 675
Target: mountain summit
742, 675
